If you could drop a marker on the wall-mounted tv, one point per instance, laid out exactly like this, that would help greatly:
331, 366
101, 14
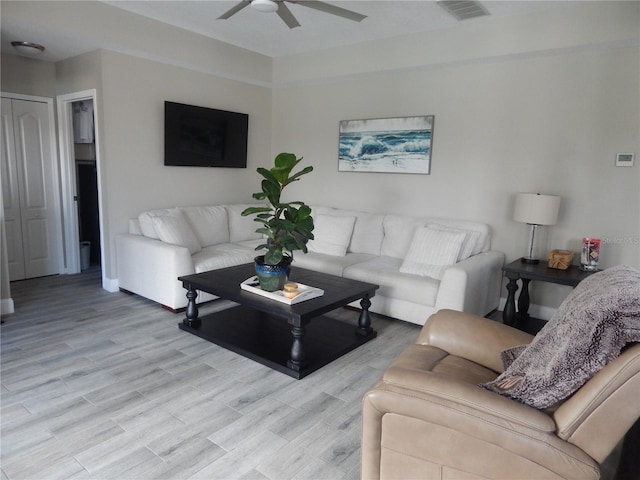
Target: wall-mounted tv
204, 137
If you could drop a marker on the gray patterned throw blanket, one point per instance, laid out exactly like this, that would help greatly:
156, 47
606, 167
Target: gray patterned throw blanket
598, 318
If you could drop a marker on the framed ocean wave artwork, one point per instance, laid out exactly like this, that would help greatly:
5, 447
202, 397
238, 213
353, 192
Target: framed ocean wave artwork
386, 145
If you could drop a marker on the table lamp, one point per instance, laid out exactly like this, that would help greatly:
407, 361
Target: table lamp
535, 209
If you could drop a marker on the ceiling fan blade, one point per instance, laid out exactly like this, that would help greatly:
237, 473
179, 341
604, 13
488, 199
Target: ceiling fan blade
287, 17
332, 9
234, 10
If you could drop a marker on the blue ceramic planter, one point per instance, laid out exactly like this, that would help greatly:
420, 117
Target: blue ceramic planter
272, 277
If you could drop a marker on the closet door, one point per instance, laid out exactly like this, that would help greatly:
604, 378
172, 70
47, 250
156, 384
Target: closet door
31, 173
11, 196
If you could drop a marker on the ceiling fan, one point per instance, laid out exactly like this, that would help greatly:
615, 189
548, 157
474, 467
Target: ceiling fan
279, 6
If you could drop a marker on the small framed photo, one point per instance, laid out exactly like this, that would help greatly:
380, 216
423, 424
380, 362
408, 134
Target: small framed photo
624, 160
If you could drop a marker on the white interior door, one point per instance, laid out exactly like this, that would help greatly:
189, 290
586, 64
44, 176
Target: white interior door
35, 176
11, 196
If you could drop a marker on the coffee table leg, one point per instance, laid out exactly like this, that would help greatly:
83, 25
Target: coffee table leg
296, 362
191, 319
364, 322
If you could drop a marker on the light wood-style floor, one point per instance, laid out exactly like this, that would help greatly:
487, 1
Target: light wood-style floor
105, 386
98, 385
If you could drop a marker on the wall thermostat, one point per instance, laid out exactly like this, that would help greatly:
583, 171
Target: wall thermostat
624, 160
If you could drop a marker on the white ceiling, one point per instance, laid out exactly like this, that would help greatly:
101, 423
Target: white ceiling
266, 33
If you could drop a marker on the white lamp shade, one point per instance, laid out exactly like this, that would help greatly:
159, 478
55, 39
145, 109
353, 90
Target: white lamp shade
536, 209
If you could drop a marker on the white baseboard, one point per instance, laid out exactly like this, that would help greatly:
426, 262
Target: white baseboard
6, 306
110, 284
537, 311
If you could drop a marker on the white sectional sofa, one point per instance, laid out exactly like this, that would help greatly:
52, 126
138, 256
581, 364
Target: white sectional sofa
421, 264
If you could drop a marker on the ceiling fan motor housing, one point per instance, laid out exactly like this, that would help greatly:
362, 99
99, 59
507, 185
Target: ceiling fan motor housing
279, 6
265, 6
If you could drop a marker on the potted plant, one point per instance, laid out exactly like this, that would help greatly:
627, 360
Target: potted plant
287, 226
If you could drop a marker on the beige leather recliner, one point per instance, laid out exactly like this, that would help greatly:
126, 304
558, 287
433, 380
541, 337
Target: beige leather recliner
428, 418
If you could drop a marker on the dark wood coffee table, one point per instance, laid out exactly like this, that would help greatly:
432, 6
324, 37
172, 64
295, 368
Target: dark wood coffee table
280, 336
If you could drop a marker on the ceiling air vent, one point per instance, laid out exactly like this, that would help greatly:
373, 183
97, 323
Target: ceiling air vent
463, 10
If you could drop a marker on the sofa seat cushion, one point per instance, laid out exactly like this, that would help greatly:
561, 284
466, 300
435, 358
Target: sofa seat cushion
329, 264
221, 256
385, 271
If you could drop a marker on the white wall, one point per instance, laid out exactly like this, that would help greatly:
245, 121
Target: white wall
27, 76
135, 178
164, 63
565, 26
550, 121
541, 102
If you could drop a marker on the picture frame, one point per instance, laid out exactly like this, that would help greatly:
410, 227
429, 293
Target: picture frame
386, 145
624, 160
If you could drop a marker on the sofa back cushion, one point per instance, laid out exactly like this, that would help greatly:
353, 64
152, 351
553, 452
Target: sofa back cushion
210, 224
332, 234
480, 232
367, 231
399, 232
241, 228
432, 251
470, 238
173, 228
145, 219
134, 226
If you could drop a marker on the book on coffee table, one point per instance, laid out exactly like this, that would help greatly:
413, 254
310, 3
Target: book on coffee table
306, 292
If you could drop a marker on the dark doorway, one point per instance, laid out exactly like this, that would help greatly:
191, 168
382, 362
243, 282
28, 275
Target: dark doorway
88, 218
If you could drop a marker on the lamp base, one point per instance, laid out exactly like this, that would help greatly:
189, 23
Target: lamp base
530, 261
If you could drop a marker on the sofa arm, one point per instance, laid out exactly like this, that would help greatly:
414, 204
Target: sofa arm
457, 395
472, 285
472, 337
418, 425
151, 268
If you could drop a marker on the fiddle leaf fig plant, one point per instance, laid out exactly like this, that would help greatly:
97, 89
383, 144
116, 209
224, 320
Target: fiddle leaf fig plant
287, 226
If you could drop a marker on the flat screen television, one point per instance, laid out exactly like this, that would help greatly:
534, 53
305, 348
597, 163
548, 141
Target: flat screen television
204, 137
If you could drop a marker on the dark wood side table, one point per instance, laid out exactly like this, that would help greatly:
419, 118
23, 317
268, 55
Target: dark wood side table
526, 272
